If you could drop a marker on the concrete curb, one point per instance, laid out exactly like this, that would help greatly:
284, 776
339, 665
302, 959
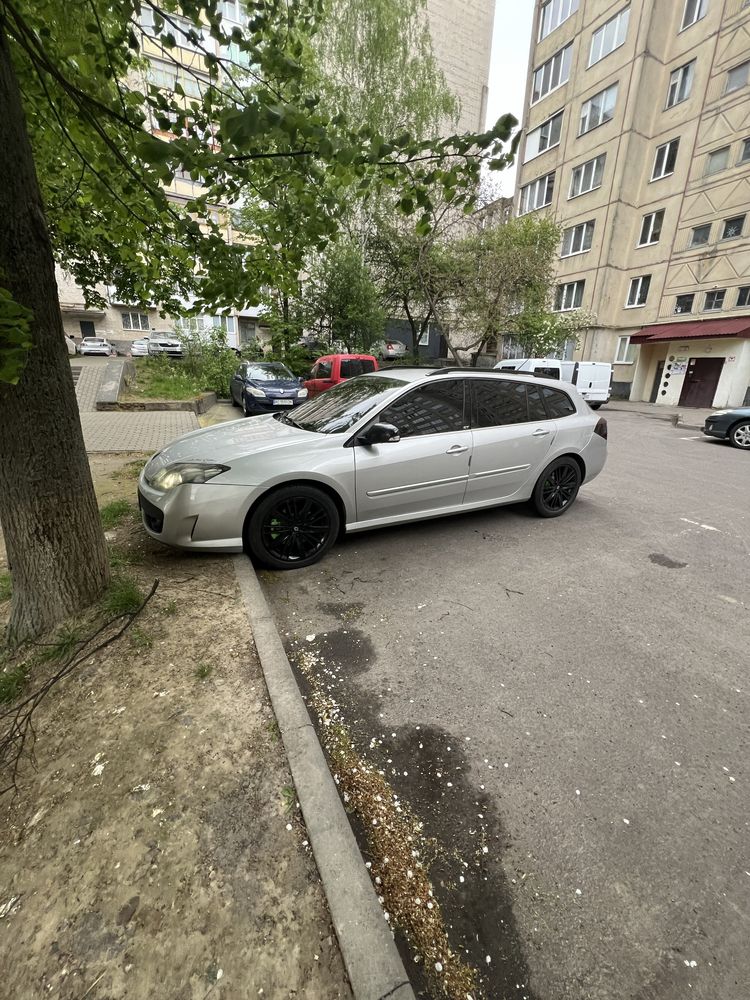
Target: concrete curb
370, 955
668, 417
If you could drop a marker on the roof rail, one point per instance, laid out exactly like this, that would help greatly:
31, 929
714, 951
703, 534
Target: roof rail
475, 371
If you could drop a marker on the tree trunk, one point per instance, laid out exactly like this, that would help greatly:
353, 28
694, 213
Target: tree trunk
53, 534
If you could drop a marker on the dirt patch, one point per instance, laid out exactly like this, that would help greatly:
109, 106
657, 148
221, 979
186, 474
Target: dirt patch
157, 848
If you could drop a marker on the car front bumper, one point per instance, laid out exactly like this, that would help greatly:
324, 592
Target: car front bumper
714, 428
270, 405
200, 516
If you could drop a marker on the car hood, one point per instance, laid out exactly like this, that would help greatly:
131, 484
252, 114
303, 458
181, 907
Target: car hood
735, 411
237, 439
280, 383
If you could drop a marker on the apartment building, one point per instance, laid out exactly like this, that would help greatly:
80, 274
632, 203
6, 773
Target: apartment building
637, 141
461, 32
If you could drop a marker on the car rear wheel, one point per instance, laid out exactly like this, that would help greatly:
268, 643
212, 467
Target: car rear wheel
739, 435
595, 406
557, 487
292, 527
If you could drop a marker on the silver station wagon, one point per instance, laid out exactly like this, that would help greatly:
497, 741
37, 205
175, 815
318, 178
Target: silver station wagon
397, 445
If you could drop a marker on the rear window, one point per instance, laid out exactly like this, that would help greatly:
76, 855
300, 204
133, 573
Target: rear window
558, 403
547, 372
351, 367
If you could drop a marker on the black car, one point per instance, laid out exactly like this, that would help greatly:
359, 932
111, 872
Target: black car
730, 425
265, 387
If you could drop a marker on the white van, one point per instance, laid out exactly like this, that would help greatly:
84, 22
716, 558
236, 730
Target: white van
593, 379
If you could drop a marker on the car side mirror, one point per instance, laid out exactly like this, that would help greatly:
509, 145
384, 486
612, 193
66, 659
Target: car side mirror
379, 434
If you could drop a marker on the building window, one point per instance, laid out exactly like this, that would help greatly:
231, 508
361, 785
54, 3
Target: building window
700, 236
680, 84
134, 321
737, 77
694, 11
743, 295
651, 228
587, 176
665, 159
552, 74
546, 136
733, 227
577, 239
610, 36
569, 296
538, 194
232, 10
598, 109
717, 160
625, 351
745, 152
638, 291
684, 304
715, 300
553, 14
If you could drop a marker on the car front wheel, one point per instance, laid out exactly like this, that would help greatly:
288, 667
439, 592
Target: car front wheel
557, 487
739, 435
292, 527
246, 407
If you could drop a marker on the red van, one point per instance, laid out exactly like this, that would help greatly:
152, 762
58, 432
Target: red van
334, 368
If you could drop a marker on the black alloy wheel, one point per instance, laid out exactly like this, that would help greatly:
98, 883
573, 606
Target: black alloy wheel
292, 527
739, 435
557, 487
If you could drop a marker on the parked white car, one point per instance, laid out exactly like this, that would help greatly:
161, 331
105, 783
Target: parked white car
389, 349
393, 446
95, 345
593, 379
161, 344
139, 348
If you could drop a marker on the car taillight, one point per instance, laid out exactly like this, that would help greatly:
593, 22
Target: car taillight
601, 428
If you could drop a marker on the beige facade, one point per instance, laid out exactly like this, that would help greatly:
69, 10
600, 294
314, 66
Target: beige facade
648, 172
461, 33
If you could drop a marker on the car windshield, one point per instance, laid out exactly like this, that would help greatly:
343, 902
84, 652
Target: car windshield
268, 373
338, 409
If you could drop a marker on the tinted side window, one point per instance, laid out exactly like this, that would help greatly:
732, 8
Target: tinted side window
558, 404
431, 409
498, 402
356, 366
322, 370
547, 372
536, 404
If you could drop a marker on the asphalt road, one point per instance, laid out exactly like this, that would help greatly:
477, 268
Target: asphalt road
572, 694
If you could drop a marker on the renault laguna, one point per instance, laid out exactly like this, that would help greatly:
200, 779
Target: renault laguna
385, 448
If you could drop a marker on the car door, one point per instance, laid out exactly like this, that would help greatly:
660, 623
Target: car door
320, 378
237, 382
511, 437
427, 469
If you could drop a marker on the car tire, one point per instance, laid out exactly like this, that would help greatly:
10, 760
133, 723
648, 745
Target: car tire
292, 527
248, 413
595, 406
739, 435
232, 399
557, 487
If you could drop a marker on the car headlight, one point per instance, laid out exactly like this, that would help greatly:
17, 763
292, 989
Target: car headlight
258, 393
184, 472
302, 394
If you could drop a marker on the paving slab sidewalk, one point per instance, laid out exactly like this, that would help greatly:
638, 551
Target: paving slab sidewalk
688, 417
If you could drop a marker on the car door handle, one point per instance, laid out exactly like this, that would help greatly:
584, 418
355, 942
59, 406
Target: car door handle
540, 433
457, 449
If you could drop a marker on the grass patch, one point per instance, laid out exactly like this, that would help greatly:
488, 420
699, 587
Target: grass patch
124, 597
5, 587
121, 557
63, 643
12, 681
130, 471
289, 795
203, 670
140, 640
169, 609
159, 378
115, 512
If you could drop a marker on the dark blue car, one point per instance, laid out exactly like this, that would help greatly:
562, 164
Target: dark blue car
731, 425
265, 387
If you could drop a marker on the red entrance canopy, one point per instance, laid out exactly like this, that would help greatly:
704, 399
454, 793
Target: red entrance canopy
695, 330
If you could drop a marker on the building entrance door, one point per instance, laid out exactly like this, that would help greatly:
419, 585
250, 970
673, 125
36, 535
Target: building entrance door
657, 382
701, 380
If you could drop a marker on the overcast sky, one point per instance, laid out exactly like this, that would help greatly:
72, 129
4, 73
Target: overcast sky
510, 56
